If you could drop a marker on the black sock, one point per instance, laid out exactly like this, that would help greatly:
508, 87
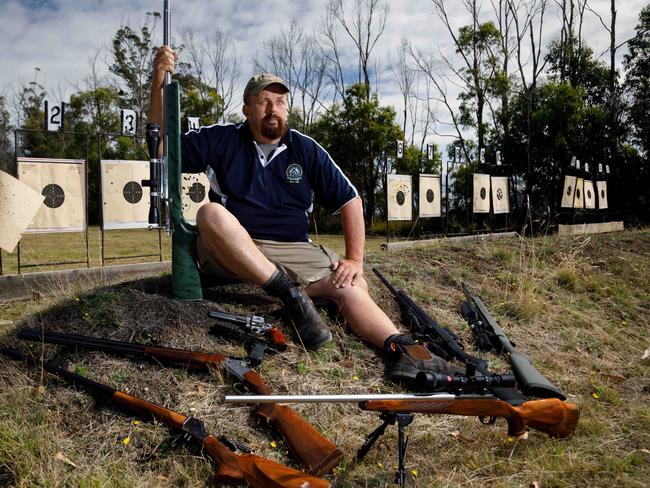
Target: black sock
278, 284
399, 338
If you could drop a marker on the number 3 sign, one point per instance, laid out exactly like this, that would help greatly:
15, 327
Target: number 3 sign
129, 122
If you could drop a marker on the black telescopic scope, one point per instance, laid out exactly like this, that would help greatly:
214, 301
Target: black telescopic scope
428, 381
153, 141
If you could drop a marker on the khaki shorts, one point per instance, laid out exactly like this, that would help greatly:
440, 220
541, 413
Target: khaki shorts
305, 262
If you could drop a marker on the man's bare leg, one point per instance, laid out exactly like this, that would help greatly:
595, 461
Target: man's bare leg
361, 313
404, 358
230, 245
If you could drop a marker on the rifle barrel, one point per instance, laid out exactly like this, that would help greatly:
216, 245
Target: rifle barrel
338, 398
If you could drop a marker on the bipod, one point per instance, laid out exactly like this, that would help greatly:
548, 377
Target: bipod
389, 418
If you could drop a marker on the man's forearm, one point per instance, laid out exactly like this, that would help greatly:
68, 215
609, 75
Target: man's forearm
354, 230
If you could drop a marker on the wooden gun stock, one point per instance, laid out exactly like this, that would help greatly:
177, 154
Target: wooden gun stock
550, 415
232, 468
308, 445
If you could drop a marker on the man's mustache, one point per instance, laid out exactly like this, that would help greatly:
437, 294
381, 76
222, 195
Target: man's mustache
270, 117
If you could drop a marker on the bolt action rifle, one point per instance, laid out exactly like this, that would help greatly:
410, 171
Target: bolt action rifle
489, 335
442, 342
232, 468
549, 415
308, 446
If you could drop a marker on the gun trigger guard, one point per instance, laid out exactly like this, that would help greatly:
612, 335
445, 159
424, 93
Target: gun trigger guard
240, 388
235, 445
487, 420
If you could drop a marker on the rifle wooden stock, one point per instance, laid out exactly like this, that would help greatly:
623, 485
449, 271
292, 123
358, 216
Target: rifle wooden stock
232, 468
308, 445
312, 450
551, 415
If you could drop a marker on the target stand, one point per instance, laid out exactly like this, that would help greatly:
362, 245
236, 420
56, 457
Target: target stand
123, 199
491, 198
63, 183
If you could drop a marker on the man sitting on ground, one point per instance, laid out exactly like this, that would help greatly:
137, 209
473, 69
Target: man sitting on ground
263, 178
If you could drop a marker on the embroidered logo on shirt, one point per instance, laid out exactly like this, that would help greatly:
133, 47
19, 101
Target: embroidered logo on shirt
294, 173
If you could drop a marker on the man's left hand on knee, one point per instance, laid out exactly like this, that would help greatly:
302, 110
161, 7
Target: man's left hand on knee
346, 272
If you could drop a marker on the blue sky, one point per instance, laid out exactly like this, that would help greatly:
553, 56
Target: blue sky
59, 36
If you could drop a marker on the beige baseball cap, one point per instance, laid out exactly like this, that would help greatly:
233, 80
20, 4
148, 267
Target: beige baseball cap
257, 83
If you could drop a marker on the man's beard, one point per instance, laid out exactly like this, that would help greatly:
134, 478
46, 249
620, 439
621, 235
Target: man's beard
273, 131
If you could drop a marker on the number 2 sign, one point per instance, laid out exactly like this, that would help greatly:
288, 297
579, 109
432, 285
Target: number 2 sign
54, 115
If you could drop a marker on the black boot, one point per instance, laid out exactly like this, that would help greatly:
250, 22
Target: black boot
307, 323
406, 358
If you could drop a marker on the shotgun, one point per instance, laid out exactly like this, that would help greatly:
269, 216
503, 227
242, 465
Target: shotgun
317, 454
232, 468
489, 335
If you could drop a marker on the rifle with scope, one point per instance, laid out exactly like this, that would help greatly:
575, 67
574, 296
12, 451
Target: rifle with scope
317, 454
489, 335
442, 342
550, 415
232, 468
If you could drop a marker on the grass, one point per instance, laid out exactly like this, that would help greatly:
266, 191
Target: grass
40, 252
578, 306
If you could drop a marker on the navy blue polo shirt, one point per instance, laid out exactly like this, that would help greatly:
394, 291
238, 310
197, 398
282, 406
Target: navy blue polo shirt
270, 198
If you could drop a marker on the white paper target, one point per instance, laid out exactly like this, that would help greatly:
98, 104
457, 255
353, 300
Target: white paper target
481, 199
568, 194
18, 205
125, 202
430, 196
500, 194
590, 195
62, 183
194, 190
601, 187
399, 197
579, 197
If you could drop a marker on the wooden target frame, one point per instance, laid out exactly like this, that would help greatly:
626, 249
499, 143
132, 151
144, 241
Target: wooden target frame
54, 194
131, 192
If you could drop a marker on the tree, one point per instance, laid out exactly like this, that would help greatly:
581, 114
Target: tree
210, 74
364, 24
562, 125
634, 175
637, 83
297, 58
360, 135
6, 142
132, 64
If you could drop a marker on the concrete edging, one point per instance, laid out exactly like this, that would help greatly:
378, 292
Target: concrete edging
392, 246
31, 285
